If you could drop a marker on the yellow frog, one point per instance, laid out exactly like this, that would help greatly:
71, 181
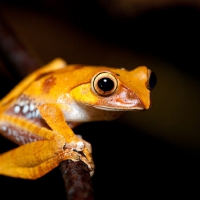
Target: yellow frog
40, 113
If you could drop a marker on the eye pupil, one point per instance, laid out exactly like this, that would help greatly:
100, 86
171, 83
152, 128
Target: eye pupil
106, 84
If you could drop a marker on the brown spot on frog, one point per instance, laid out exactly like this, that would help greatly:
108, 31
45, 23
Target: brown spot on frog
48, 84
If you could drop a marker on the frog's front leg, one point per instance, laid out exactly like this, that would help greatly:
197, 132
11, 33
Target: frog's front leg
54, 117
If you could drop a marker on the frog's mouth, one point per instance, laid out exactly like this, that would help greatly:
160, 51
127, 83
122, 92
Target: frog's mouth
121, 101
123, 109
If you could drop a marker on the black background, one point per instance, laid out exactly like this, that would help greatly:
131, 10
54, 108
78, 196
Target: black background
143, 155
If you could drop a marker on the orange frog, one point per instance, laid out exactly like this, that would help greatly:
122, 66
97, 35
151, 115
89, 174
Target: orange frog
40, 113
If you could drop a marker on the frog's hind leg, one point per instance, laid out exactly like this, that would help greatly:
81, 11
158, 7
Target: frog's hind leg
56, 64
33, 160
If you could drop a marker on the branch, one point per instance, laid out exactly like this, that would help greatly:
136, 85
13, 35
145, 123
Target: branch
14, 53
77, 180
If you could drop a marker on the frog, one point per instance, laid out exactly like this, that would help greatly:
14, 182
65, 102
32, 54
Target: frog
40, 113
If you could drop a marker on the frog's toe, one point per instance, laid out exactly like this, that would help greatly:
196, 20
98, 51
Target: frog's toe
77, 146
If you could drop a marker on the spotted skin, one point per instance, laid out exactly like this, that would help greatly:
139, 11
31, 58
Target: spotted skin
18, 135
25, 108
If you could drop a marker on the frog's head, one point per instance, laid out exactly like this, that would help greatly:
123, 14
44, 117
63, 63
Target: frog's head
116, 89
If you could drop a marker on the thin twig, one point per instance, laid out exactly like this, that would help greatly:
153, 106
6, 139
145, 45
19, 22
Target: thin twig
14, 54
76, 175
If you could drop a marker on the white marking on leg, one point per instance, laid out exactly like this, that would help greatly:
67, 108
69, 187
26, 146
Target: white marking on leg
29, 115
22, 103
37, 113
9, 131
21, 138
31, 107
25, 109
33, 114
15, 134
16, 109
4, 128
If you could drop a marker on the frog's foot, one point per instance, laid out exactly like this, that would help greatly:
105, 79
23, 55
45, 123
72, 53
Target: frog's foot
84, 151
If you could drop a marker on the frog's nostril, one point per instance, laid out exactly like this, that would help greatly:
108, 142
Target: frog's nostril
152, 80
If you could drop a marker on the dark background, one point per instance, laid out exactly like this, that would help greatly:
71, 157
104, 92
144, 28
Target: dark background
143, 155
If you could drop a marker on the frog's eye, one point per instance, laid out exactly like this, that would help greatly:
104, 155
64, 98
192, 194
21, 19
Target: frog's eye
151, 80
104, 84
